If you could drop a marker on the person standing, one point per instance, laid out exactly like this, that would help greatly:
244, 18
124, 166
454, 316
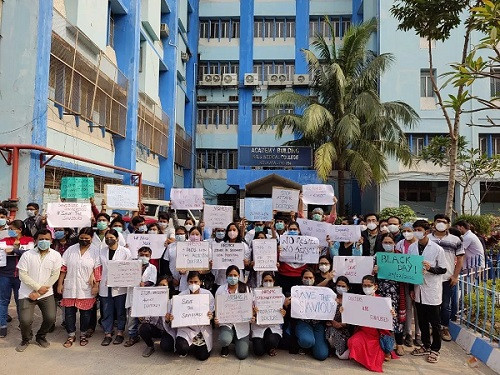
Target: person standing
34, 221
39, 270
474, 250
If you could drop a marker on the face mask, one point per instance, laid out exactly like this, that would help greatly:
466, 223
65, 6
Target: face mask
232, 280
369, 290
3, 222
341, 289
44, 245
441, 227
102, 225
232, 234
384, 229
363, 227
142, 229
59, 234
317, 217
152, 231
30, 213
308, 282
258, 228
84, 243
293, 232
180, 237
194, 238
280, 226
110, 241
268, 284
188, 227
118, 229
393, 228
220, 235
193, 287
12, 233
371, 225
408, 235
324, 268
388, 247
162, 225
419, 235
144, 260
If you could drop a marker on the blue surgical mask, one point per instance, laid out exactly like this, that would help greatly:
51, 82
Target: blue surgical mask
180, 237
388, 247
118, 229
102, 225
259, 228
43, 244
293, 232
59, 234
317, 217
12, 233
3, 222
280, 226
232, 280
220, 235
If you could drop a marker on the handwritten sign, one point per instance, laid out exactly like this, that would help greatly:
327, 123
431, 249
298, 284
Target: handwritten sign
285, 200
344, 233
318, 229
192, 255
318, 194
299, 249
190, 310
217, 216
3, 255
227, 254
401, 267
77, 187
313, 302
149, 301
68, 215
122, 197
156, 242
186, 199
354, 268
123, 273
265, 255
367, 311
269, 302
259, 209
234, 308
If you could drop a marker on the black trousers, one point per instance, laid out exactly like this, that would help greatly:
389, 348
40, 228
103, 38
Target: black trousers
182, 348
149, 332
262, 345
429, 314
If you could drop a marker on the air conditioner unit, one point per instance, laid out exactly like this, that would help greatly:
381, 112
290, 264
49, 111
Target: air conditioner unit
184, 57
229, 79
216, 79
276, 80
210, 80
164, 30
301, 79
251, 79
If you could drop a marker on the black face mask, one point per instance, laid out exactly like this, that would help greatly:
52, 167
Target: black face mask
110, 241
84, 243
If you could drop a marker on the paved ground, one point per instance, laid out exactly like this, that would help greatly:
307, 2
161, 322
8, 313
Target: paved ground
95, 359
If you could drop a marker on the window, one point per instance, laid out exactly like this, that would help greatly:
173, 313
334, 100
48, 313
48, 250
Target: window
489, 144
419, 191
483, 144
280, 28
216, 159
318, 25
416, 142
219, 28
265, 69
495, 82
111, 31
217, 67
261, 113
217, 115
426, 90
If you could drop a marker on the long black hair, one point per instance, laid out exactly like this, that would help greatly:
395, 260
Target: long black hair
238, 238
242, 287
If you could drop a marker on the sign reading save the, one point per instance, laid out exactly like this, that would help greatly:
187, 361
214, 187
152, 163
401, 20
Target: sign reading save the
401, 267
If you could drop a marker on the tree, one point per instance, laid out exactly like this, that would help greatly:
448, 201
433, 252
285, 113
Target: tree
472, 165
435, 20
404, 212
344, 121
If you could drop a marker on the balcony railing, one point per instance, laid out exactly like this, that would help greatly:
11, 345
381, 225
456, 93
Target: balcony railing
183, 148
152, 125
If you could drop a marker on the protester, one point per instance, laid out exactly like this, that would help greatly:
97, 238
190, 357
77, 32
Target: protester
337, 333
394, 227
167, 263
474, 251
325, 275
290, 274
34, 222
371, 238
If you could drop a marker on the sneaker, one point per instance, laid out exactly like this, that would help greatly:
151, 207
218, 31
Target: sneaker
22, 346
445, 334
224, 352
148, 351
9, 318
408, 342
3, 332
42, 341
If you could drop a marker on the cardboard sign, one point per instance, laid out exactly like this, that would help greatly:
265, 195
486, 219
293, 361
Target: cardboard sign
186, 199
344, 233
227, 254
217, 216
354, 268
285, 200
367, 311
149, 301
313, 302
156, 242
68, 215
123, 273
299, 249
192, 255
122, 197
265, 255
234, 308
318, 194
401, 267
258, 209
318, 229
269, 302
77, 187
190, 310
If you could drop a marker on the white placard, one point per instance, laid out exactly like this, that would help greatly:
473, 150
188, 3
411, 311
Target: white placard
285, 200
217, 216
68, 215
3, 255
318, 194
318, 229
192, 255
227, 254
122, 197
4, 234
299, 249
269, 302
190, 310
344, 233
258, 209
367, 311
313, 302
149, 301
354, 268
156, 242
124, 273
234, 308
265, 255
186, 199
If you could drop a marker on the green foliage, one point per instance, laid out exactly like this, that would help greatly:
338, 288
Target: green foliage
482, 223
485, 290
404, 212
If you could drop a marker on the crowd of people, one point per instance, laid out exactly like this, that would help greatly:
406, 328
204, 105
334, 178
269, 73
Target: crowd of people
67, 268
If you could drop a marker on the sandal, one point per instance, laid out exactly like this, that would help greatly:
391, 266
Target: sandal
433, 357
89, 333
419, 352
272, 353
69, 342
400, 350
131, 341
83, 340
387, 357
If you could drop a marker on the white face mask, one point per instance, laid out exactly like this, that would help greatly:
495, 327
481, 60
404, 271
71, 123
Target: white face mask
371, 225
162, 225
232, 234
393, 228
188, 227
419, 235
441, 227
268, 284
341, 289
369, 290
363, 227
308, 282
408, 235
193, 288
324, 268
384, 229
388, 247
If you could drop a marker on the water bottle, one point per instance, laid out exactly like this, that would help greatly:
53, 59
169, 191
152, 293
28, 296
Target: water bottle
334, 249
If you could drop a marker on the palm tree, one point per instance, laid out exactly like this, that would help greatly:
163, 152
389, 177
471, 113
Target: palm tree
344, 121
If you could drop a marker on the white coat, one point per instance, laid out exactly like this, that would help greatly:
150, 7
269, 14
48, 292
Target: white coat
39, 270
258, 330
121, 253
79, 271
242, 329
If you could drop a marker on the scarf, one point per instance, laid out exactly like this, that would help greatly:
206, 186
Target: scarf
402, 303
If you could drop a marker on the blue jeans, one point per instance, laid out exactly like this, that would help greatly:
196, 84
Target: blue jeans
228, 335
312, 336
133, 325
448, 293
109, 306
7, 286
70, 319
